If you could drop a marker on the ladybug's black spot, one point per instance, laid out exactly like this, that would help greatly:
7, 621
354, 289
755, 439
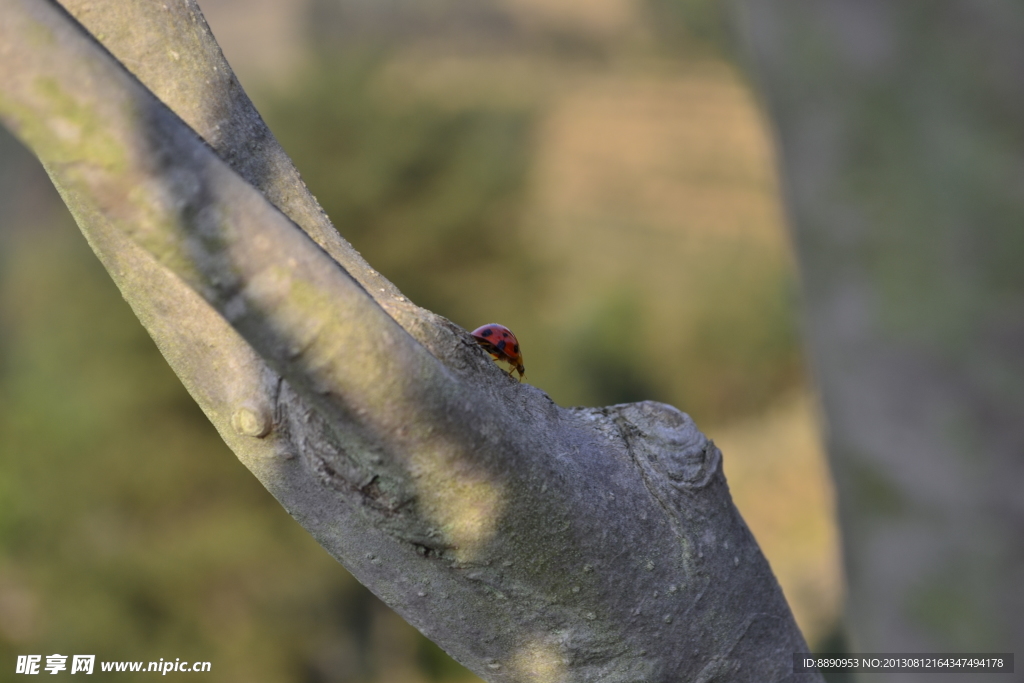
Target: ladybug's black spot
501, 345
516, 348
487, 333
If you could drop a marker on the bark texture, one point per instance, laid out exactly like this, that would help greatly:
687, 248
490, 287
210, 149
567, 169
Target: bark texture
530, 541
901, 133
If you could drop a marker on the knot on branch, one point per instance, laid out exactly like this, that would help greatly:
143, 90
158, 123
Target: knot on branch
666, 443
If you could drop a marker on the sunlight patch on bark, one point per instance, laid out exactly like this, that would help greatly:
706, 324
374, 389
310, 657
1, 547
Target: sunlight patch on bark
461, 500
539, 661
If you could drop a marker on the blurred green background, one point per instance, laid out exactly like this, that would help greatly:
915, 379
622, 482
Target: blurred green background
594, 174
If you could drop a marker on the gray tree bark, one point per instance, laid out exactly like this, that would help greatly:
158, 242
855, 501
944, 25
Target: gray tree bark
901, 135
532, 542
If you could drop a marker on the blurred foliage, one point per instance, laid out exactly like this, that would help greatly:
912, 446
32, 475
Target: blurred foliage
607, 355
742, 351
429, 194
735, 355
692, 27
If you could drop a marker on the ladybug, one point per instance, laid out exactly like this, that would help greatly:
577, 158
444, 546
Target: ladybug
499, 341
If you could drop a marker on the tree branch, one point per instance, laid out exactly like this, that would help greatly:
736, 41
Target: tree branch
531, 542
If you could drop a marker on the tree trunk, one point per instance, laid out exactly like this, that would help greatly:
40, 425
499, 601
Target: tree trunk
530, 541
901, 134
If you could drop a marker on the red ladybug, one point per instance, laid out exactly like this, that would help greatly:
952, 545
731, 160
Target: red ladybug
499, 341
